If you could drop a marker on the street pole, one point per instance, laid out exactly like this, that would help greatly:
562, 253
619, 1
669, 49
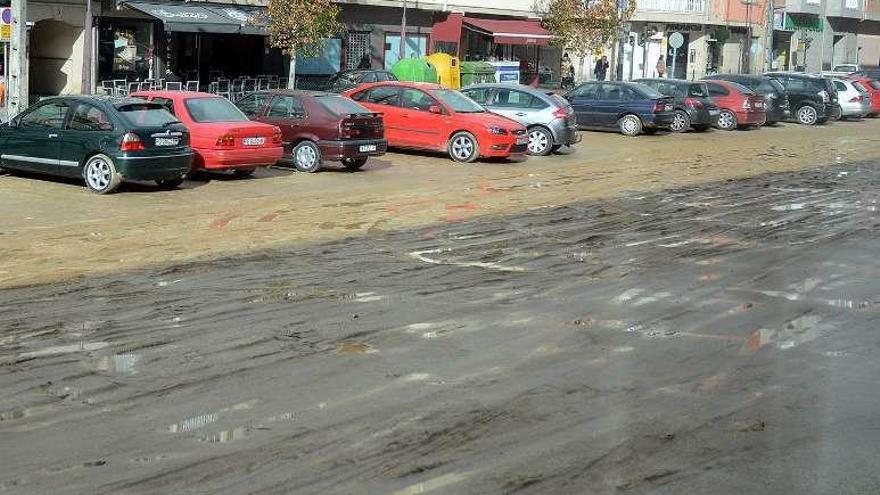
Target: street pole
748, 51
18, 60
768, 36
402, 52
621, 34
86, 87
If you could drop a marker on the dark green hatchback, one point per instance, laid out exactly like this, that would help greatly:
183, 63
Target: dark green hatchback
104, 140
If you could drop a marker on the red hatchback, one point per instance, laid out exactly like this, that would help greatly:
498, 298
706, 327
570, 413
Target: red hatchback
738, 105
222, 136
873, 88
429, 117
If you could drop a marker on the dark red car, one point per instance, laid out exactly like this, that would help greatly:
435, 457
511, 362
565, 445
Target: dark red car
318, 126
738, 106
873, 88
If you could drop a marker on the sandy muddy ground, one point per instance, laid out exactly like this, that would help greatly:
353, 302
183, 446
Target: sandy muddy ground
718, 338
54, 230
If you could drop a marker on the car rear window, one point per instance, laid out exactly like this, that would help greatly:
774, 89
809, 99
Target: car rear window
698, 90
146, 114
338, 105
210, 109
859, 87
742, 89
874, 84
646, 91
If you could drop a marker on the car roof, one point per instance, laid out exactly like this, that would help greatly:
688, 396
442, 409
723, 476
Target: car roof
663, 80
295, 92
800, 75
404, 84
518, 87
115, 101
176, 94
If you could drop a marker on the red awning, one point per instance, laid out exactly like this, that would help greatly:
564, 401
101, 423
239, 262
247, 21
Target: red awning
511, 32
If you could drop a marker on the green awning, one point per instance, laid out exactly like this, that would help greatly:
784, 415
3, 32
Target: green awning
203, 18
803, 22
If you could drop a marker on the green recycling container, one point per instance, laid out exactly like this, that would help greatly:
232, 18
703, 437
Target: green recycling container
415, 70
476, 73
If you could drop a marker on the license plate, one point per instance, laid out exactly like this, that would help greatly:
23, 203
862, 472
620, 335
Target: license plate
367, 147
713, 112
167, 141
253, 141
522, 140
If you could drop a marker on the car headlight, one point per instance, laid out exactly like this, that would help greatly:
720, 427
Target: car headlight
499, 131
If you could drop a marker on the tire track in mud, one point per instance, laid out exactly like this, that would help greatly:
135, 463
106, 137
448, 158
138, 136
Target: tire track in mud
640, 349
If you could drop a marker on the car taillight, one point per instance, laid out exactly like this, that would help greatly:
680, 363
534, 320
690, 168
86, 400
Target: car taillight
276, 136
226, 141
747, 104
693, 103
560, 113
856, 99
824, 95
131, 142
659, 107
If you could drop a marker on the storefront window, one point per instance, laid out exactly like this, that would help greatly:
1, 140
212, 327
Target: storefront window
416, 46
126, 50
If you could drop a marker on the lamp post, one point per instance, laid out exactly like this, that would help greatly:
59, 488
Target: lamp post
402, 52
748, 53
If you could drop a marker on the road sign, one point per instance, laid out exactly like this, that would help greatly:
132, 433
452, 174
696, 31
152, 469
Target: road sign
5, 24
676, 40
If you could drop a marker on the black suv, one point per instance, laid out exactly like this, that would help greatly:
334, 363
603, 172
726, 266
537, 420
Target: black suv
693, 106
813, 99
776, 102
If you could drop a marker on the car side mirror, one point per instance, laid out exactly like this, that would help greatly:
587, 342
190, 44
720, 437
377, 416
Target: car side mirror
435, 109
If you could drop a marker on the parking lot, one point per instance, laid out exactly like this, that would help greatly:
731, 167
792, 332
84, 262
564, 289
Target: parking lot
219, 215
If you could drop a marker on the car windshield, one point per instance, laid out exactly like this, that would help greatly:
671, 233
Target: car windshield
212, 109
338, 105
457, 102
147, 114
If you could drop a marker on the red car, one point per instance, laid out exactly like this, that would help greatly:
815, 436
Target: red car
738, 105
429, 117
222, 137
873, 87
318, 126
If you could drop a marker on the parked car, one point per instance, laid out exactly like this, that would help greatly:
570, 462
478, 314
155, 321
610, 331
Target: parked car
846, 68
873, 88
738, 106
222, 137
776, 104
429, 117
694, 109
548, 117
813, 99
319, 126
872, 73
104, 140
629, 107
348, 79
854, 99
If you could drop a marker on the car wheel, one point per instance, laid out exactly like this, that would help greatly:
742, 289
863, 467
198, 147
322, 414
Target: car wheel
630, 125
463, 147
701, 128
169, 183
727, 120
244, 172
555, 148
681, 122
807, 115
307, 157
540, 141
101, 175
353, 164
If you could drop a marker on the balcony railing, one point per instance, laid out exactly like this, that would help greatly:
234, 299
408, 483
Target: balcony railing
678, 6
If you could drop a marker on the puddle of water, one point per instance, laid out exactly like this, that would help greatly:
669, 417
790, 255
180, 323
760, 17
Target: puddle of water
354, 348
432, 484
628, 295
193, 423
790, 207
123, 363
226, 436
64, 349
796, 332
367, 297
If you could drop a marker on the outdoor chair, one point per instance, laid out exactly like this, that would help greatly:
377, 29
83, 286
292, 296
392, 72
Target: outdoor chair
224, 88
192, 85
119, 87
173, 86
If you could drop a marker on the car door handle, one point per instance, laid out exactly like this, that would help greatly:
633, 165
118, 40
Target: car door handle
53, 136
520, 114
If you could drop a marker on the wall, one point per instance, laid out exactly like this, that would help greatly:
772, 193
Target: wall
57, 52
869, 50
521, 8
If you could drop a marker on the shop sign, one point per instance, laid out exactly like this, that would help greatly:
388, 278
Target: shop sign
6, 24
779, 20
803, 22
165, 14
237, 15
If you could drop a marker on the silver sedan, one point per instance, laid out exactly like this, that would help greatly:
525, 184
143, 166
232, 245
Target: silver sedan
549, 118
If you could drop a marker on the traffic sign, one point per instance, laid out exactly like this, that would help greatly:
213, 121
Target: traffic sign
5, 24
676, 40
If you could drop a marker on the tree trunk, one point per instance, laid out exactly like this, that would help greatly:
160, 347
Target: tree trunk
291, 75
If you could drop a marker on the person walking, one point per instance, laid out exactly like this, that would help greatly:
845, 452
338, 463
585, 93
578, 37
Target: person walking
601, 68
566, 71
661, 67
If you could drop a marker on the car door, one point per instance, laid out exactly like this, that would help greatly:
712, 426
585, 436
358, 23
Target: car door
34, 139
288, 114
513, 104
719, 94
421, 128
609, 104
384, 100
88, 128
583, 100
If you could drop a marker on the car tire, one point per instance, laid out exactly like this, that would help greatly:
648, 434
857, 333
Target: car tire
353, 164
681, 121
807, 115
700, 127
307, 157
630, 125
169, 184
727, 120
244, 172
555, 148
463, 147
540, 141
101, 175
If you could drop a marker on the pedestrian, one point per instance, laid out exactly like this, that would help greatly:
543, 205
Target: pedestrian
661, 67
566, 72
365, 62
601, 68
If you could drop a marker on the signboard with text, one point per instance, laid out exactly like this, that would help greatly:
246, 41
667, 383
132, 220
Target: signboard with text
5, 24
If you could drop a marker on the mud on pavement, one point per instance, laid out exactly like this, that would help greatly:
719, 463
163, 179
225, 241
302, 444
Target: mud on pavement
717, 338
